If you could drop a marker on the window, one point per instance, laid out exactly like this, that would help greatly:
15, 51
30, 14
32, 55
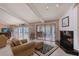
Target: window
21, 33
46, 32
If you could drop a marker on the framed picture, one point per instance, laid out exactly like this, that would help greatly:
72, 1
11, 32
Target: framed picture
65, 21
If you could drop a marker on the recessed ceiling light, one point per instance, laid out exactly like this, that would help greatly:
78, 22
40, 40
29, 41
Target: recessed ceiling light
47, 7
57, 5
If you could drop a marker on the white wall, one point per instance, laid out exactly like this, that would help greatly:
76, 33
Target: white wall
72, 13
78, 25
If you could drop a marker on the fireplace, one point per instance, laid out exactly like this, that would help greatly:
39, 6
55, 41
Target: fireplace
66, 40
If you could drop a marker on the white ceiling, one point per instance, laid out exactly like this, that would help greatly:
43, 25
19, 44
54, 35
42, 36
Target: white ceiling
19, 13
8, 19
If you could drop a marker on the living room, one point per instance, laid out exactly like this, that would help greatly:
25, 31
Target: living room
39, 29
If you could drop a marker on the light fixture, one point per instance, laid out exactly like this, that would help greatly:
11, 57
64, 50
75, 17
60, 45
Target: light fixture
47, 7
57, 5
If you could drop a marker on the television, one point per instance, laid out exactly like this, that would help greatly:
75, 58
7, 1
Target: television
5, 30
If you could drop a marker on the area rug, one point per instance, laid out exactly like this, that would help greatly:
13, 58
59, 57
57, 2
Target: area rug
46, 50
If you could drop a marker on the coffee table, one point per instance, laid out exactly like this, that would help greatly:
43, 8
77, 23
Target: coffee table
44, 49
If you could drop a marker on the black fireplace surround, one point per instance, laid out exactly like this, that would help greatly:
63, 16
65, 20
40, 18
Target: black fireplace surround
66, 41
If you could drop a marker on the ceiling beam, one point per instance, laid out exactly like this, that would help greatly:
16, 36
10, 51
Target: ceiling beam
3, 22
14, 15
35, 11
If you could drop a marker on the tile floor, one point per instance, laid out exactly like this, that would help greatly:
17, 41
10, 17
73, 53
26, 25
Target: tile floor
58, 52
6, 51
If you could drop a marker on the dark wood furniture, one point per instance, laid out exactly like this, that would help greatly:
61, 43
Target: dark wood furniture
7, 34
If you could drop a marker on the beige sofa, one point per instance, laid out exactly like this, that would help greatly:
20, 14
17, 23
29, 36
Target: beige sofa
3, 41
22, 48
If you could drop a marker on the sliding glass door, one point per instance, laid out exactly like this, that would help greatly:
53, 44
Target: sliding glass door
53, 33
40, 31
46, 32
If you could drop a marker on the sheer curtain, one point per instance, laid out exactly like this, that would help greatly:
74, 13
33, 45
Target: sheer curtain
20, 33
48, 32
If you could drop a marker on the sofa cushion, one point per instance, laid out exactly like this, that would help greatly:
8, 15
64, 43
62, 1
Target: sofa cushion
24, 41
15, 42
24, 49
12, 44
